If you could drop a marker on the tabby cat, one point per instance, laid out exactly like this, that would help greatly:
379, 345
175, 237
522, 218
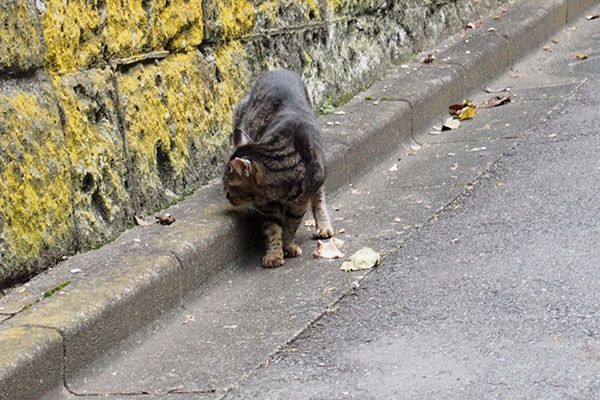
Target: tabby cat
278, 165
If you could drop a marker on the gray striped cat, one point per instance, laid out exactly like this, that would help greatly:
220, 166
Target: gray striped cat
278, 165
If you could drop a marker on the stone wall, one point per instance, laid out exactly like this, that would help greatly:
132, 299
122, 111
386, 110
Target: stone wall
115, 107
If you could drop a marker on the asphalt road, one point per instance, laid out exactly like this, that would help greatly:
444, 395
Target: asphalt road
488, 288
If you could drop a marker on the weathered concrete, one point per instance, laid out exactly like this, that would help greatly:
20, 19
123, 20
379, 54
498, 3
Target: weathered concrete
173, 260
144, 91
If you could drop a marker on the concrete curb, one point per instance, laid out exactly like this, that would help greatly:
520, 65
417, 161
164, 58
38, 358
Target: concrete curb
148, 270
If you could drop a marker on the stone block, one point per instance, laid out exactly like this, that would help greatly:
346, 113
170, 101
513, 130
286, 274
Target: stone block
97, 154
36, 212
22, 45
177, 117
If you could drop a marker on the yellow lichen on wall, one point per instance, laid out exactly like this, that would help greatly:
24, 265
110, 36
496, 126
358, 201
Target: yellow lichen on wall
177, 24
96, 151
236, 17
270, 9
146, 126
21, 45
231, 63
334, 5
69, 31
126, 32
35, 184
178, 117
312, 9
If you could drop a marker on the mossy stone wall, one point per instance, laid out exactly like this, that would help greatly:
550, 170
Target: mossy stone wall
110, 108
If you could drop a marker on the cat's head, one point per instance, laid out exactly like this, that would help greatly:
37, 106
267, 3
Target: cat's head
243, 176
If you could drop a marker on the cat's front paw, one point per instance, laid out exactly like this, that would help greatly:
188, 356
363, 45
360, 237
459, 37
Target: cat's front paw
292, 250
273, 259
323, 233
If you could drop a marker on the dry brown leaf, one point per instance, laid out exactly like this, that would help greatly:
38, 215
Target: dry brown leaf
455, 109
496, 17
429, 59
166, 219
327, 250
141, 222
496, 101
581, 56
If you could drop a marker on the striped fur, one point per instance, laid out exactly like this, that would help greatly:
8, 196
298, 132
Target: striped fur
278, 166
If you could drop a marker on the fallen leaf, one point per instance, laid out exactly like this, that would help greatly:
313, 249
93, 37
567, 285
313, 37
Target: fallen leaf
546, 48
467, 113
500, 184
397, 220
455, 109
356, 191
496, 101
327, 250
495, 90
496, 17
141, 222
188, 319
394, 168
310, 223
581, 56
591, 17
429, 59
166, 219
451, 124
365, 258
554, 41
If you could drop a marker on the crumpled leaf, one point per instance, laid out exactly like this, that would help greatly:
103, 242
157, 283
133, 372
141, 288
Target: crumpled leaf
328, 249
581, 56
488, 89
467, 113
365, 258
166, 219
496, 101
429, 59
141, 222
451, 124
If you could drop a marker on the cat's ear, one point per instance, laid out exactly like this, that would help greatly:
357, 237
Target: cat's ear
241, 166
240, 138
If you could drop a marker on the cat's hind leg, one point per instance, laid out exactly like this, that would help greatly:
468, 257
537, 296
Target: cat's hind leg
323, 228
